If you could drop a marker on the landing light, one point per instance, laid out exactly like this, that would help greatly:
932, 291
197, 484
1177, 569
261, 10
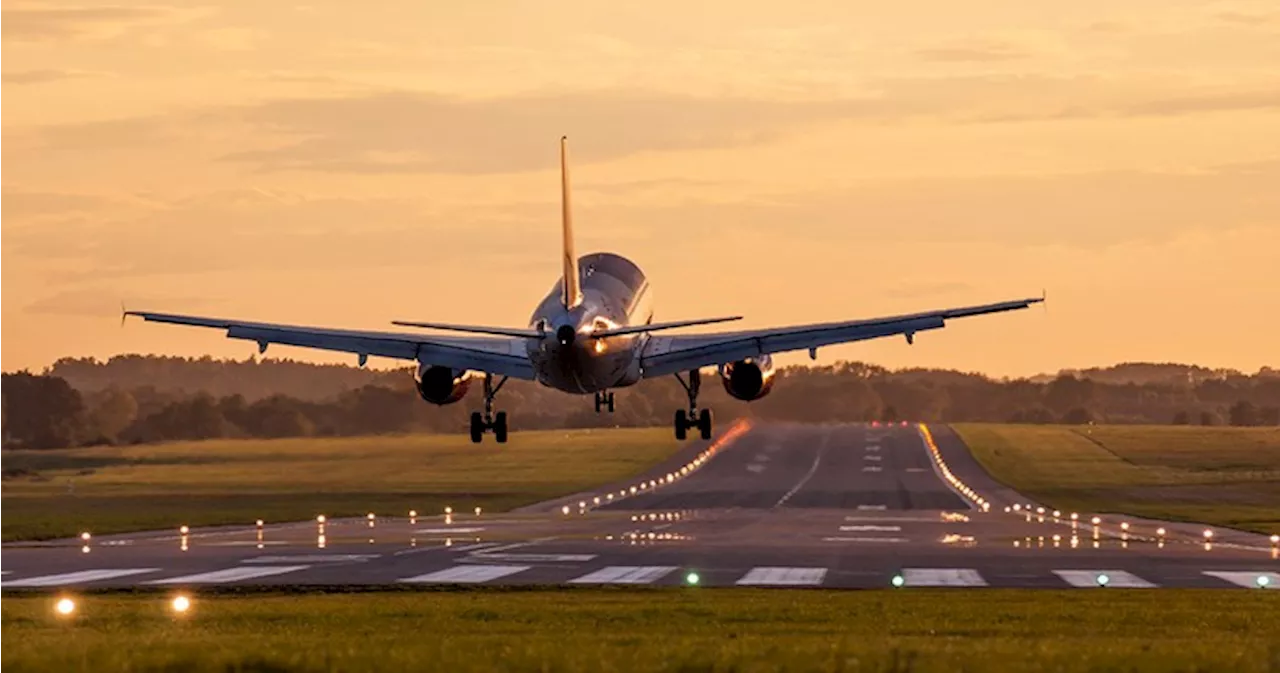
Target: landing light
64, 607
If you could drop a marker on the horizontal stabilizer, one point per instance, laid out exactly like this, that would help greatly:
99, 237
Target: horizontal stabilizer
475, 329
654, 327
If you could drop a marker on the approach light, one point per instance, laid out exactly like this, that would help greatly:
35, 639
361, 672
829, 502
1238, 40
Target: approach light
1103, 579
448, 510
64, 607
564, 510
1208, 534
184, 529
1096, 520
478, 511
85, 536
259, 523
898, 581
1262, 581
180, 604
692, 578
1124, 525
1075, 516
320, 519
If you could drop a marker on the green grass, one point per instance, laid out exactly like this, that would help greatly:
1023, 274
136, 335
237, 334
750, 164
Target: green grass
1220, 476
116, 489
654, 630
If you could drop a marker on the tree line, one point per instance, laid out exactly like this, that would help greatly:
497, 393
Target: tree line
141, 399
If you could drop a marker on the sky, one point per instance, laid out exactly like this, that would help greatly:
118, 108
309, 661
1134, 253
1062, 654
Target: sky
347, 164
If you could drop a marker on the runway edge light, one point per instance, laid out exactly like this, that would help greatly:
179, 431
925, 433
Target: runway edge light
692, 578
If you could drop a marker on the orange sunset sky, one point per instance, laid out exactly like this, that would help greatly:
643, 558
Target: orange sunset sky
345, 164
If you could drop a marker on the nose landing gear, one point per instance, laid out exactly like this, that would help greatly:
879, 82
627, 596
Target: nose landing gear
489, 420
684, 421
604, 400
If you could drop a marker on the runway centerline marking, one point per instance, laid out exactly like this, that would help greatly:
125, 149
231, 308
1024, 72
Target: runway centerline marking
229, 575
871, 468
63, 579
313, 558
468, 574
1115, 578
942, 577
624, 575
826, 442
871, 508
864, 539
872, 458
1247, 578
871, 529
532, 558
768, 576
755, 467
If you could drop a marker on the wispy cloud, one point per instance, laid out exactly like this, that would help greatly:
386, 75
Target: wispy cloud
26, 24
44, 75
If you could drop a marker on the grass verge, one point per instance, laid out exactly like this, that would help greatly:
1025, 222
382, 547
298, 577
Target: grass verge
117, 489
653, 630
1220, 476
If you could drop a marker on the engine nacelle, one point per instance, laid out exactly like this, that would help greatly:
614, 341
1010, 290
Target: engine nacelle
748, 379
441, 385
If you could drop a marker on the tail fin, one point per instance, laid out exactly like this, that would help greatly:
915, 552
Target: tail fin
572, 292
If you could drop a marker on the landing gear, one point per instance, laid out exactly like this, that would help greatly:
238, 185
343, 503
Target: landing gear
692, 418
489, 420
604, 400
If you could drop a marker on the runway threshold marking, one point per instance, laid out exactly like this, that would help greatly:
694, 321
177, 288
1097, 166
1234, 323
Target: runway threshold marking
624, 575
1115, 578
1246, 578
229, 575
942, 577
770, 576
468, 574
80, 577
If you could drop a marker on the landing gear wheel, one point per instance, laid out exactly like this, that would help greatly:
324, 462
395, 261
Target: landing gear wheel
611, 403
477, 427
693, 418
500, 427
704, 423
682, 425
604, 400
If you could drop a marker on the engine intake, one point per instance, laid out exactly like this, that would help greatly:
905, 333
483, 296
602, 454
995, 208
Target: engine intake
441, 385
748, 379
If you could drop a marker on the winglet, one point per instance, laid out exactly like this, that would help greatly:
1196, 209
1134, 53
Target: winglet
124, 313
571, 293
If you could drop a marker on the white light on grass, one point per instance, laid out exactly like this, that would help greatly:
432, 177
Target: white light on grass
898, 581
692, 578
64, 607
180, 604
1103, 579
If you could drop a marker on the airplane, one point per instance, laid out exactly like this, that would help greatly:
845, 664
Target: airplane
593, 333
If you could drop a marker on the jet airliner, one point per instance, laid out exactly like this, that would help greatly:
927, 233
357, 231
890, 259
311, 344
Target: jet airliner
593, 333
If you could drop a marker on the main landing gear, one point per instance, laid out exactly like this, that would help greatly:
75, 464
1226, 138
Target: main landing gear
489, 420
693, 418
604, 400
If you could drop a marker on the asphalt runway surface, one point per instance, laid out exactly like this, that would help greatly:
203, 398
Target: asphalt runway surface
786, 505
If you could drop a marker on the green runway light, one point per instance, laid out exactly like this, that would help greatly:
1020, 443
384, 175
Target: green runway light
1103, 580
691, 578
1263, 581
898, 581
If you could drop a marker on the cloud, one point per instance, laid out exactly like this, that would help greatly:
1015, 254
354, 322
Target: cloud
74, 22
21, 205
43, 76
410, 132
1209, 102
1241, 18
974, 51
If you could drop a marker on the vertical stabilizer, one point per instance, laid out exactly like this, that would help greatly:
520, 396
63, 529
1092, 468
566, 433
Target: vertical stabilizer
572, 294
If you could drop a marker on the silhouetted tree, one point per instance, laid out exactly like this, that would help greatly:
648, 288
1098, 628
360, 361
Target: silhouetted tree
41, 412
1182, 418
1243, 413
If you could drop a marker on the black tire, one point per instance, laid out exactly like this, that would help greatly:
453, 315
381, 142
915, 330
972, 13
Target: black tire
682, 425
611, 403
477, 427
500, 427
597, 403
704, 423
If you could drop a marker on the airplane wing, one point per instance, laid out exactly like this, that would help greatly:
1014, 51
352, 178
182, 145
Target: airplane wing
504, 356
668, 355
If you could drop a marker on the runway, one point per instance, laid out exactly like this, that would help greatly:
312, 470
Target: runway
763, 505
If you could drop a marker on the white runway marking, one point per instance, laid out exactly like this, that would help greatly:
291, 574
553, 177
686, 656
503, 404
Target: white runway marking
1115, 578
624, 575
917, 469
874, 459
864, 539
446, 531
755, 467
783, 577
942, 577
809, 475
468, 574
1247, 578
229, 575
535, 558
313, 558
80, 577
871, 468
873, 447
871, 529
872, 508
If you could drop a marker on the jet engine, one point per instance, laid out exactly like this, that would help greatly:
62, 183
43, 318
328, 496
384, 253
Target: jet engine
441, 385
748, 379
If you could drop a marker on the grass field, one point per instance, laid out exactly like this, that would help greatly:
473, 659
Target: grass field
60, 493
654, 630
1221, 476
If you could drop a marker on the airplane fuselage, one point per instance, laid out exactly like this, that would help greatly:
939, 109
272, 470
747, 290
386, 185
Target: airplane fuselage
614, 293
